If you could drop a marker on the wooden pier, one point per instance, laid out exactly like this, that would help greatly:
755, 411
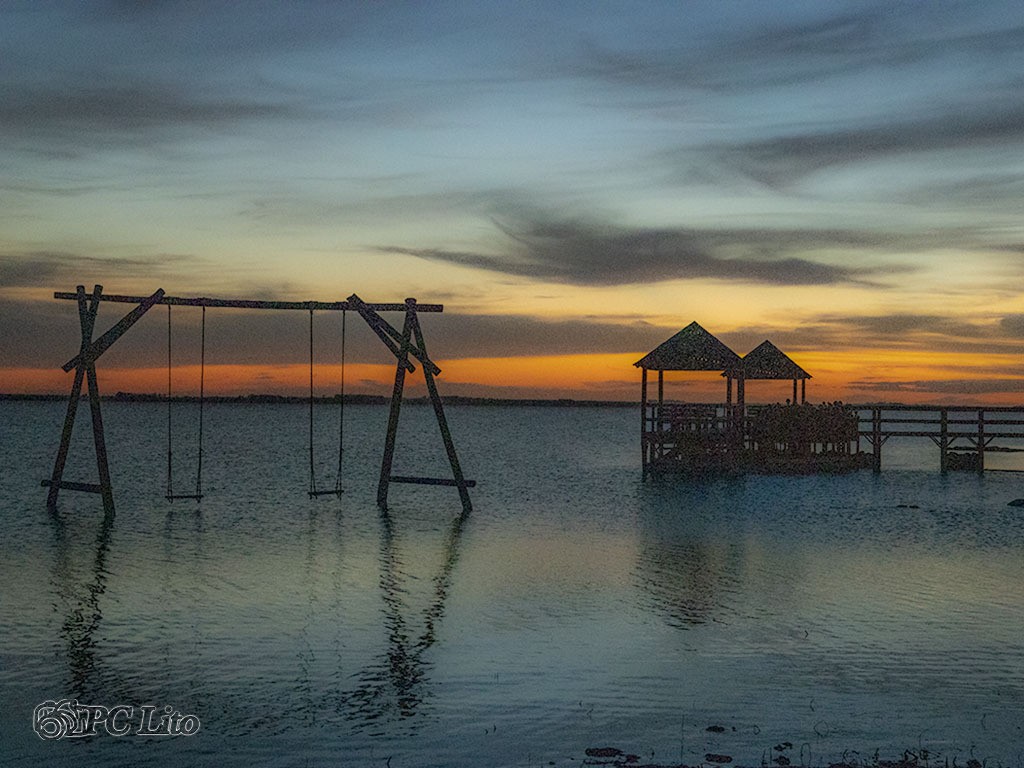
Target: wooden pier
722, 438
715, 438
963, 434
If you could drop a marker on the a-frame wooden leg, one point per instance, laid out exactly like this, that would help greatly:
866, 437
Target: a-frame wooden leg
442, 422
396, 406
84, 364
87, 311
102, 467
65, 439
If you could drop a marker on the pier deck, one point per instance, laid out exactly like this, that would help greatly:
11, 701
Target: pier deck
706, 438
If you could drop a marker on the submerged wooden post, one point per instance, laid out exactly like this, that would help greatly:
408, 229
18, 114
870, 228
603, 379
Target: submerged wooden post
442, 421
981, 441
87, 319
876, 438
84, 364
396, 407
943, 441
643, 422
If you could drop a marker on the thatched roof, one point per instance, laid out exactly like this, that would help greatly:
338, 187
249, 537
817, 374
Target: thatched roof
769, 362
692, 349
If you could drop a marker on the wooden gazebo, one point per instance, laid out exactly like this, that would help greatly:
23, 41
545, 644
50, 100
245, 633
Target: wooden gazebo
768, 362
669, 432
692, 349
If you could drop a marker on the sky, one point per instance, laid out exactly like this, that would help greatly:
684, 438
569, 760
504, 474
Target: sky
575, 182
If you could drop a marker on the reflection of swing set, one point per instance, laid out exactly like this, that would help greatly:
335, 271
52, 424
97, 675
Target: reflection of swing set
403, 344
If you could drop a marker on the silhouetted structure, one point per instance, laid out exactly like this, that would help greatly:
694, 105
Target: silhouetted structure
700, 438
768, 362
974, 427
405, 345
689, 435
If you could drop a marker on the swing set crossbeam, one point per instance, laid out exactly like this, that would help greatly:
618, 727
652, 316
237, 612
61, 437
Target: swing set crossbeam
335, 306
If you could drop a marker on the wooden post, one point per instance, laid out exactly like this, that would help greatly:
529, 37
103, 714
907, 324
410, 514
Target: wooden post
87, 320
803, 390
943, 441
84, 364
876, 438
981, 441
643, 422
794, 392
660, 423
106, 489
396, 407
435, 399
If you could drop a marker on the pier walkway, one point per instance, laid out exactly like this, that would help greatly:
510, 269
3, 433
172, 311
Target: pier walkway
716, 438
963, 434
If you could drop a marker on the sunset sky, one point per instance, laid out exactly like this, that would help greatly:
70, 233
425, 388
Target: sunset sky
575, 182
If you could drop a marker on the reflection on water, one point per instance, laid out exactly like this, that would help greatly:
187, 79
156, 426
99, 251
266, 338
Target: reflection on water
575, 607
395, 684
79, 594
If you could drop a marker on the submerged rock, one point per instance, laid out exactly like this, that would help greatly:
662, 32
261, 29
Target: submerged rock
604, 752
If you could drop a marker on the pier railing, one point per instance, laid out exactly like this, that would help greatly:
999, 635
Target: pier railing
963, 434
724, 436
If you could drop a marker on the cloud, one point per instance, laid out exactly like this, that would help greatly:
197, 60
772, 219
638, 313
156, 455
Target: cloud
578, 253
48, 334
62, 270
1013, 325
782, 160
902, 330
944, 386
71, 117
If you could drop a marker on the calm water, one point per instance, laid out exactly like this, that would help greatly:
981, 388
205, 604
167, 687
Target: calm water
575, 607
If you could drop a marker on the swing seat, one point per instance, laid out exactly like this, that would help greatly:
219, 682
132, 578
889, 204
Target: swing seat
175, 496
332, 492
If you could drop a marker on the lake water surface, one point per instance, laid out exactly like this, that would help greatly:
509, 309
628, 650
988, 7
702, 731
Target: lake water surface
577, 606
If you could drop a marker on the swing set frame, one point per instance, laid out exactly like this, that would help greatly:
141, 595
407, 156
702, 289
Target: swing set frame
405, 345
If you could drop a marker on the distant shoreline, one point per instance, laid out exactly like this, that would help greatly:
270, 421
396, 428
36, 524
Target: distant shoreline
533, 402
350, 399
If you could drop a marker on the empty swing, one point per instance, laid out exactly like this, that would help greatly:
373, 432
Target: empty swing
198, 494
313, 491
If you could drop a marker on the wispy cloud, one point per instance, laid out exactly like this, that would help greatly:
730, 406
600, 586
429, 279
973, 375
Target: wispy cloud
580, 253
782, 160
76, 117
902, 330
47, 269
943, 386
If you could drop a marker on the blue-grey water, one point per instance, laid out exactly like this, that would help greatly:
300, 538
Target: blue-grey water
576, 607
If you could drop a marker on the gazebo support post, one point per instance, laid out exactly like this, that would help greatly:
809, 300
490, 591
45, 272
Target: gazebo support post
643, 422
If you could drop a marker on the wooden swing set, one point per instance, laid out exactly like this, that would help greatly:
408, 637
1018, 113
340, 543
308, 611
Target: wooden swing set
404, 345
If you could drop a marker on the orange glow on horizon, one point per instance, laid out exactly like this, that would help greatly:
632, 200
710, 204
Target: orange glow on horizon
855, 375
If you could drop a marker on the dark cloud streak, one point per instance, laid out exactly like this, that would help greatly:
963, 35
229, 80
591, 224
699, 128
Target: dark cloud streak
581, 254
782, 160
